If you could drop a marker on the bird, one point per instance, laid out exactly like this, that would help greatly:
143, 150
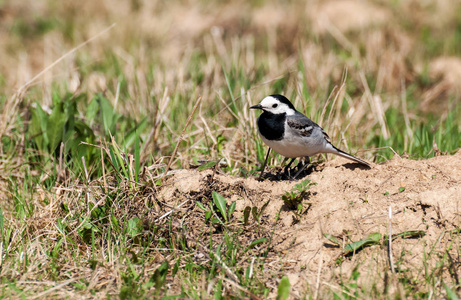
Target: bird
291, 134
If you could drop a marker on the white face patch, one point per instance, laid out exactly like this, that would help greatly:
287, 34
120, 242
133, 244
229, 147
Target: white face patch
274, 106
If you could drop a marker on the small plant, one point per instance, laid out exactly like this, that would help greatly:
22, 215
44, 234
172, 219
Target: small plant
221, 211
373, 238
293, 199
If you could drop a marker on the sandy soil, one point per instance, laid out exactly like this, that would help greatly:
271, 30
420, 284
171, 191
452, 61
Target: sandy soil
350, 203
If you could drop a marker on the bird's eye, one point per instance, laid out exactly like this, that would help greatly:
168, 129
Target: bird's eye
274, 105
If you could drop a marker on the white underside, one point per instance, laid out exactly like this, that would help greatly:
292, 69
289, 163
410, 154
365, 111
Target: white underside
294, 145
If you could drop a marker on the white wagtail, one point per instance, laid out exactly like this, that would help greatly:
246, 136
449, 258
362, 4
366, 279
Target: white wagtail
292, 134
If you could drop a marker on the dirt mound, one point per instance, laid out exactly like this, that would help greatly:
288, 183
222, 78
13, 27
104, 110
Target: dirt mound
349, 203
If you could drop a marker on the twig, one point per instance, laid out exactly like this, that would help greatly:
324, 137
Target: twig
87, 182
168, 213
181, 136
238, 286
103, 171
226, 269
380, 148
319, 271
64, 56
9, 110
250, 273
57, 287
391, 261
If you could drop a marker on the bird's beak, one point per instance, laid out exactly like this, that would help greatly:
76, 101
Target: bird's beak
259, 106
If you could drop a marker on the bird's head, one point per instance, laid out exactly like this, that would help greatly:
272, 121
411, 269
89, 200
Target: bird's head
276, 104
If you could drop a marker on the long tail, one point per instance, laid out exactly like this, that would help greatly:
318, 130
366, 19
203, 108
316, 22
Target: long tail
348, 156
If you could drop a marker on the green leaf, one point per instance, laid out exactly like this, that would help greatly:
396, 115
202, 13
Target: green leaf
107, 114
332, 239
133, 134
220, 203
254, 212
176, 267
57, 249
207, 165
70, 110
121, 161
114, 159
263, 208
37, 127
55, 127
450, 293
246, 215
200, 205
410, 234
159, 275
92, 110
283, 290
401, 189
133, 227
255, 243
231, 210
114, 220
371, 239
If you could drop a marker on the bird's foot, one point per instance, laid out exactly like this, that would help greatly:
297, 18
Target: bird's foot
301, 167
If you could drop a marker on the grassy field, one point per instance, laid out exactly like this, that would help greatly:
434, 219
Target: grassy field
101, 101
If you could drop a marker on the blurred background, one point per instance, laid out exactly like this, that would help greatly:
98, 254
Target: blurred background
372, 73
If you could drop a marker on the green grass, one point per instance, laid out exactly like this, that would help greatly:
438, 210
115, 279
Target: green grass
62, 219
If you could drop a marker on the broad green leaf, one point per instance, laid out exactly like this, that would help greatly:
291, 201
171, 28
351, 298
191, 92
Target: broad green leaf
107, 114
220, 203
283, 290
231, 209
55, 127
133, 227
37, 127
371, 239
200, 205
70, 110
92, 110
254, 212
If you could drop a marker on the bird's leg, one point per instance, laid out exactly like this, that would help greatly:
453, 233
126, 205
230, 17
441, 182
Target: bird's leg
300, 164
286, 170
306, 163
264, 166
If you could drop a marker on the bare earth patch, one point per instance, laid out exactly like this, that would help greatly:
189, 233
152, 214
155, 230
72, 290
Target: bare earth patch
350, 203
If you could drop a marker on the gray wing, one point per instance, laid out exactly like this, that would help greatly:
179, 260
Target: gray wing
304, 126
